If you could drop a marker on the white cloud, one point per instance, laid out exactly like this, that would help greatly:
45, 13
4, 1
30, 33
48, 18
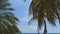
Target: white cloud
29, 29
33, 28
25, 19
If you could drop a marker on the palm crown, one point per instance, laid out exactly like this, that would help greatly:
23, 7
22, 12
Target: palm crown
42, 9
7, 19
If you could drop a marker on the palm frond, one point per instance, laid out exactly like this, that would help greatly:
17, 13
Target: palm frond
8, 20
32, 19
45, 8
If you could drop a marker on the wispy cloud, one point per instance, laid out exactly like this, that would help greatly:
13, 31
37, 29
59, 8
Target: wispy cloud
29, 29
25, 19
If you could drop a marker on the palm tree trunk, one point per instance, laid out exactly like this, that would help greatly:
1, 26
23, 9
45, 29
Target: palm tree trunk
38, 31
45, 28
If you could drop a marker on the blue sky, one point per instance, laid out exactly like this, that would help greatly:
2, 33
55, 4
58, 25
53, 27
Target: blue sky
21, 13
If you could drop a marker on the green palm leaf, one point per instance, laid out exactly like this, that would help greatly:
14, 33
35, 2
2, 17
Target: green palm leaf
45, 8
8, 20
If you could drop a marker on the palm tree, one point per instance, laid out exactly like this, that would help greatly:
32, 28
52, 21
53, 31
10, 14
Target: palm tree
41, 9
8, 20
